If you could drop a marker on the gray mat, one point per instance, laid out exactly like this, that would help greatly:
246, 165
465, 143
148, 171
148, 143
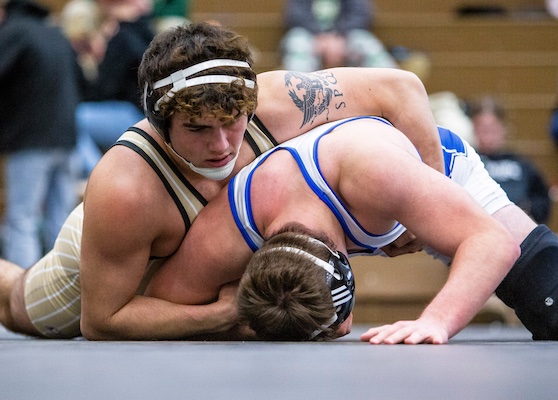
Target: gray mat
482, 362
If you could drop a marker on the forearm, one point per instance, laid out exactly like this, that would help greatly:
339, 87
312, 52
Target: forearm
148, 318
475, 273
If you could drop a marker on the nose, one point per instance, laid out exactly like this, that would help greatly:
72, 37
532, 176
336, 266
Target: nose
219, 140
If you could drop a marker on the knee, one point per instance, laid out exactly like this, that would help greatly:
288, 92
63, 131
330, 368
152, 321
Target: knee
531, 287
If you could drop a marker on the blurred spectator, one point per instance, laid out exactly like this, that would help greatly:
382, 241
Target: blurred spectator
449, 112
519, 178
39, 90
81, 22
415, 61
331, 33
552, 8
169, 13
112, 97
553, 128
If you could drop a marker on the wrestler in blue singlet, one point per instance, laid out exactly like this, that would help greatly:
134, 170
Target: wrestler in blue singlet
459, 157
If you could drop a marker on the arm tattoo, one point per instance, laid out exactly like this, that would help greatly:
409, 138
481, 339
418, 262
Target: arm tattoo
313, 93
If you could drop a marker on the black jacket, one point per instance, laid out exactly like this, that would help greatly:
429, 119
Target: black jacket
39, 81
522, 182
118, 71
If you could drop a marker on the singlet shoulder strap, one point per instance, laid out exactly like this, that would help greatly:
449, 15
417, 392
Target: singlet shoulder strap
187, 199
258, 137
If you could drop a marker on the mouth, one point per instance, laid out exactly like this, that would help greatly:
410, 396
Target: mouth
219, 162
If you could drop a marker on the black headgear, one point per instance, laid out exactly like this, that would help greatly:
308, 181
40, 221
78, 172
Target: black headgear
342, 285
341, 282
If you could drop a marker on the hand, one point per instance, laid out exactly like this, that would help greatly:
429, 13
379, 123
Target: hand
407, 332
227, 299
345, 327
404, 244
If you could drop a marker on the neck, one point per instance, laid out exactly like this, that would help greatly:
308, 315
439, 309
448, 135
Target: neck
312, 224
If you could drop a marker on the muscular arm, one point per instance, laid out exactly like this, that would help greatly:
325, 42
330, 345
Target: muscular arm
442, 214
212, 254
118, 239
316, 98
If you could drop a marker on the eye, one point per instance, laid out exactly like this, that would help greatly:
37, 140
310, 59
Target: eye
196, 128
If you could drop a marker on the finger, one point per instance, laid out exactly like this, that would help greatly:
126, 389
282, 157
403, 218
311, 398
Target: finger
371, 333
418, 337
400, 336
381, 334
366, 336
400, 332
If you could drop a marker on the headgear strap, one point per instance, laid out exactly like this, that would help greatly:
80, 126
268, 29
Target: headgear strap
340, 293
179, 79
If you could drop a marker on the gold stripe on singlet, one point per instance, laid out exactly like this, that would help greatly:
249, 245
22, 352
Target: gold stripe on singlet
259, 138
188, 200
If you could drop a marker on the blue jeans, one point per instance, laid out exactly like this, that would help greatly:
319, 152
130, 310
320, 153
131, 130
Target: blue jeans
99, 125
40, 194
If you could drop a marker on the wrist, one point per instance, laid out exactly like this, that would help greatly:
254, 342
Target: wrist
224, 315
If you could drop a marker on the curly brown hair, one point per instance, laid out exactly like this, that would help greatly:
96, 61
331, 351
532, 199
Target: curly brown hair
183, 46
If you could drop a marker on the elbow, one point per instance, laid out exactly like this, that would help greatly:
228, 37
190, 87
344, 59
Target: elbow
404, 89
411, 83
90, 333
95, 331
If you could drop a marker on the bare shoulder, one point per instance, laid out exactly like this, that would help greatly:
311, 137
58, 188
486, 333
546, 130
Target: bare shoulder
123, 176
364, 154
212, 254
126, 202
275, 104
353, 139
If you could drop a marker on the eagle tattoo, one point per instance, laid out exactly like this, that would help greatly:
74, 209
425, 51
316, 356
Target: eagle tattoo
310, 93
